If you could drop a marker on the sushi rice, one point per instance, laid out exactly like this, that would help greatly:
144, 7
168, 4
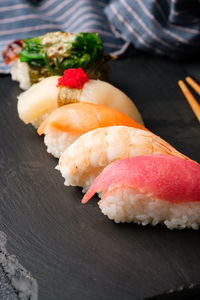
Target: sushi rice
57, 141
127, 205
20, 73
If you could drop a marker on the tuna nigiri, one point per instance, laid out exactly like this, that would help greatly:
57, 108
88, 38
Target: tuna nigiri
65, 124
82, 161
150, 190
42, 98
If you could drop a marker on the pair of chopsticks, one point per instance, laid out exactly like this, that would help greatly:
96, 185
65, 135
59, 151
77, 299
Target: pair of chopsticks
188, 95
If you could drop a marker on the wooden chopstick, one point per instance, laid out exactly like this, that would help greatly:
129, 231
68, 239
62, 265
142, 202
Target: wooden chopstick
193, 84
190, 99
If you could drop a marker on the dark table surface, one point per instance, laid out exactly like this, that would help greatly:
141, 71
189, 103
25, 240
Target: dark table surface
73, 250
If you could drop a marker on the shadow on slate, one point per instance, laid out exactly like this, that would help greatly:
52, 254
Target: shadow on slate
182, 293
15, 282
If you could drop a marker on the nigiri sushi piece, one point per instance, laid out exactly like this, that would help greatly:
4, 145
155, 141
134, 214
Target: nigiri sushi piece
150, 189
42, 98
82, 161
49, 54
65, 124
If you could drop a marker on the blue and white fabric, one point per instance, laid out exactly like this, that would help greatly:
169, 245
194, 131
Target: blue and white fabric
163, 27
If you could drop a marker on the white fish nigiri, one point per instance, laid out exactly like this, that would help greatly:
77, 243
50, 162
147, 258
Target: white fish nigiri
38, 101
83, 160
150, 189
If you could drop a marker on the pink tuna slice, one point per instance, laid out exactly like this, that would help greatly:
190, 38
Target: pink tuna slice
163, 177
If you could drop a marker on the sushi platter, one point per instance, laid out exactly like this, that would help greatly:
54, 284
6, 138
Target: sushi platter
73, 250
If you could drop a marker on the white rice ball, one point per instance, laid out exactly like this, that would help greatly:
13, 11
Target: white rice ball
57, 141
20, 73
127, 205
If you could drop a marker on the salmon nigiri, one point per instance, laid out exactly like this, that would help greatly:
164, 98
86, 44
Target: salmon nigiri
64, 125
150, 189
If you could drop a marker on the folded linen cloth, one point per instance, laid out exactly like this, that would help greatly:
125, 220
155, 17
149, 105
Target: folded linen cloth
163, 27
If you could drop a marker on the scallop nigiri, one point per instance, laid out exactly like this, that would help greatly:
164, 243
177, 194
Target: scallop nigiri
82, 161
150, 190
65, 124
42, 98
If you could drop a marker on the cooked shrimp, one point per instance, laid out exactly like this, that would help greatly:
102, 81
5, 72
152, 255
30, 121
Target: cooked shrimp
81, 162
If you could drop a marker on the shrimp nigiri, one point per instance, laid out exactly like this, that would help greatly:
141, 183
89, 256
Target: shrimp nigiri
42, 98
82, 161
65, 124
150, 189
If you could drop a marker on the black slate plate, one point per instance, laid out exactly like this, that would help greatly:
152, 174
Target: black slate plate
72, 250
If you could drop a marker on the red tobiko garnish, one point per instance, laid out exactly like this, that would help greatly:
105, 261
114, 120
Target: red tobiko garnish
73, 78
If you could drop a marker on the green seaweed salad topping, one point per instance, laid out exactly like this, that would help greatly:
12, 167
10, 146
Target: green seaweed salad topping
59, 51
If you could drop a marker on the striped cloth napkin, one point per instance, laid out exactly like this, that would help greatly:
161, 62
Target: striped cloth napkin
163, 27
